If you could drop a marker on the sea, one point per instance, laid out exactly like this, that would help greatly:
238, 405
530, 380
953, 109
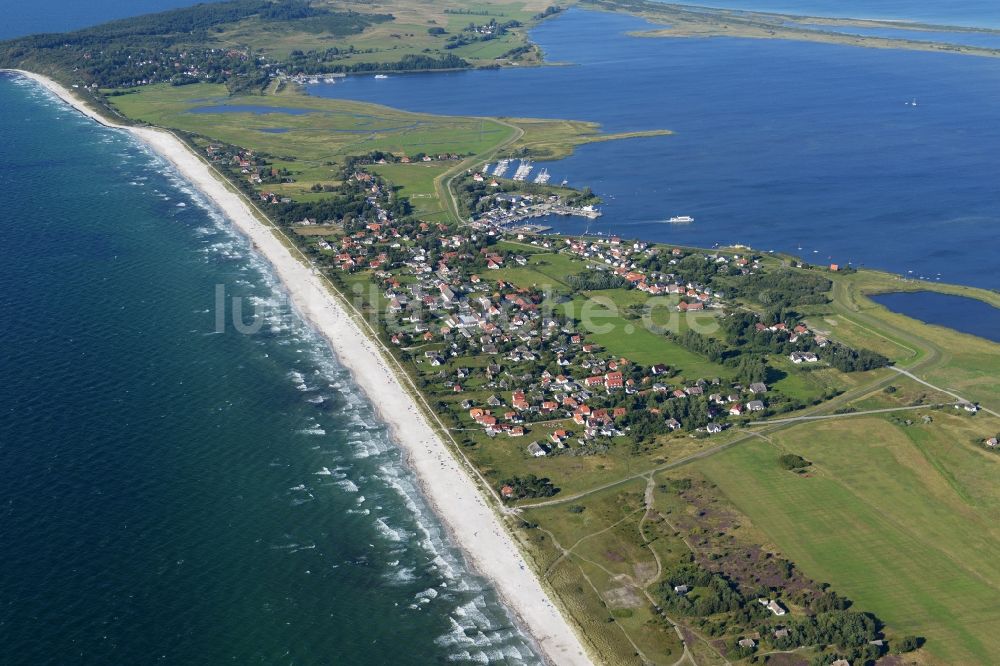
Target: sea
179, 492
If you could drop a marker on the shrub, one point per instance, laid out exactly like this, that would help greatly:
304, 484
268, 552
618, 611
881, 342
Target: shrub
790, 461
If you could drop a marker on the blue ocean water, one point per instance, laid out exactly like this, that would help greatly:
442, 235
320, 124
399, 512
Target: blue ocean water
171, 494
806, 148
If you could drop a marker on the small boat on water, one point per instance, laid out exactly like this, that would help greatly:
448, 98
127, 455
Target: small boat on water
681, 219
381, 76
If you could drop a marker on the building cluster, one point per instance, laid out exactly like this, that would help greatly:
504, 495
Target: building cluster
502, 351
623, 260
133, 67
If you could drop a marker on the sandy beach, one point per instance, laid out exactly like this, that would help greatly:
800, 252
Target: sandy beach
446, 481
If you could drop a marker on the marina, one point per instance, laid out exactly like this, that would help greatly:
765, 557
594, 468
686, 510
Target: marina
523, 170
528, 209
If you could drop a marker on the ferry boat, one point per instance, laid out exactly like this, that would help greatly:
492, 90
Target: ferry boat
681, 219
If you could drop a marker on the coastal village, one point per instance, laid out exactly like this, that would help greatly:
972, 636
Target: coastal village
510, 363
507, 357
490, 320
655, 454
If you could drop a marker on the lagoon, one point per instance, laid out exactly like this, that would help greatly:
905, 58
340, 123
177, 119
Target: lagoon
799, 147
967, 315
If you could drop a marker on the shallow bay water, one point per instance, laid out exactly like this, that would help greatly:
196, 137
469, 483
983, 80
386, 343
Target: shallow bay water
807, 148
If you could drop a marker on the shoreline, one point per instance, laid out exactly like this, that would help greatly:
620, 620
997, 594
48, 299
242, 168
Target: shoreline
453, 494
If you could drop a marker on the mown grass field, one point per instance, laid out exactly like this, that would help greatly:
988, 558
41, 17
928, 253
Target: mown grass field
544, 271
416, 182
903, 520
605, 322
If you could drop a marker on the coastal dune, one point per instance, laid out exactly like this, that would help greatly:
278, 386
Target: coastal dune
448, 484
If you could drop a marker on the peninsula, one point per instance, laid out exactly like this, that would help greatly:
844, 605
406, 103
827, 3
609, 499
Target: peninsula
656, 453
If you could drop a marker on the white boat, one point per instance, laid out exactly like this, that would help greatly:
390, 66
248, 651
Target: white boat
681, 219
381, 76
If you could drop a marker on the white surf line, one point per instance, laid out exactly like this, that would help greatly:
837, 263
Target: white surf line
450, 490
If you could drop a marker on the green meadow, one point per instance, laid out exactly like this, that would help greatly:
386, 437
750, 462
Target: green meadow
314, 129
901, 519
417, 182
